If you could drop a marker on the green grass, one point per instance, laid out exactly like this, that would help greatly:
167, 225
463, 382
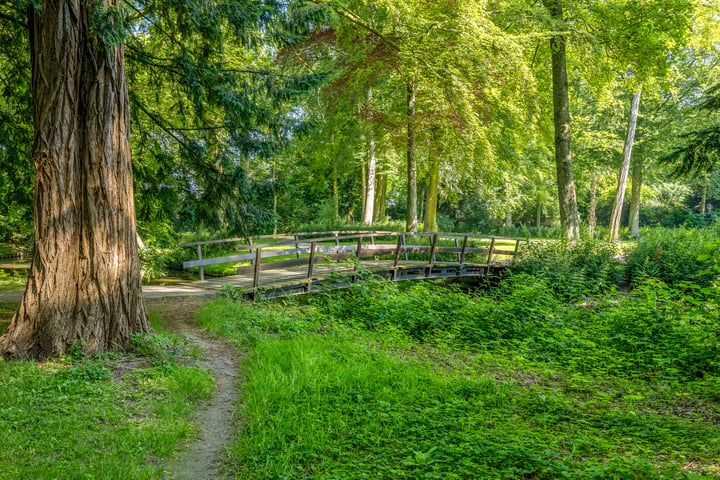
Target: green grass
427, 382
72, 419
12, 279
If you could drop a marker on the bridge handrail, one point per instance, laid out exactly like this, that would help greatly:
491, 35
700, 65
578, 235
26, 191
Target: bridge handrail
280, 235
340, 252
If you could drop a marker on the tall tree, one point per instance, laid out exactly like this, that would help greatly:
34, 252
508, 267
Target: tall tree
84, 284
569, 218
624, 170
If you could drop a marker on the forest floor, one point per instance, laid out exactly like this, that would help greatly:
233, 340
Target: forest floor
201, 458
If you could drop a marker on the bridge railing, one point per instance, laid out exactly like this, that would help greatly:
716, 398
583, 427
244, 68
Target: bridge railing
312, 248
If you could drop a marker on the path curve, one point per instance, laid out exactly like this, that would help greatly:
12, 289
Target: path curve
201, 459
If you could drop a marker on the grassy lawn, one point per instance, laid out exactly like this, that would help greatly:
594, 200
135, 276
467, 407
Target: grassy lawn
428, 382
112, 416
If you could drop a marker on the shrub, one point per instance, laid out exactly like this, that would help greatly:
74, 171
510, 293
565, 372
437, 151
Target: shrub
675, 255
572, 271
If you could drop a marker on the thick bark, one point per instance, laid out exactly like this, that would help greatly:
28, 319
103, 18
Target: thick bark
563, 141
637, 178
592, 208
411, 224
84, 286
369, 203
624, 170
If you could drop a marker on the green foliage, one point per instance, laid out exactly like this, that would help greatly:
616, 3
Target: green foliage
428, 382
572, 271
675, 255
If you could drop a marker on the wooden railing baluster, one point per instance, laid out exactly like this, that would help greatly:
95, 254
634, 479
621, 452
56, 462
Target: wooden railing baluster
202, 270
490, 252
464, 249
311, 263
256, 270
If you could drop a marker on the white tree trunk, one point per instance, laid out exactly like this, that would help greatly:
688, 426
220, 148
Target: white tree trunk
624, 169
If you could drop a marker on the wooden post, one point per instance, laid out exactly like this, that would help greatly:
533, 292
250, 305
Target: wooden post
296, 244
464, 249
433, 246
202, 271
256, 270
372, 242
337, 244
398, 247
250, 241
490, 252
403, 240
357, 253
457, 245
311, 263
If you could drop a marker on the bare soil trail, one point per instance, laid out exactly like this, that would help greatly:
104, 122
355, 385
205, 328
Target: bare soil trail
201, 458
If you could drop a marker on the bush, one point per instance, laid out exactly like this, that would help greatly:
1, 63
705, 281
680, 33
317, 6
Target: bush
572, 271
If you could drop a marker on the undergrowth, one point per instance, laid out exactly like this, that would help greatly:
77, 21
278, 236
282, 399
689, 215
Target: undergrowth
542, 376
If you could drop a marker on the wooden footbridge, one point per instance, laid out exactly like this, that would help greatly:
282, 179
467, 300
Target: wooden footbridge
296, 263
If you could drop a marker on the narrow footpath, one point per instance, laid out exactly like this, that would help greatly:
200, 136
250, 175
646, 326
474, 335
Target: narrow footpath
202, 458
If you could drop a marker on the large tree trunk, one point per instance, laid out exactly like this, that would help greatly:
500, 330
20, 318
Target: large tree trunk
412, 206
624, 170
563, 141
637, 177
84, 287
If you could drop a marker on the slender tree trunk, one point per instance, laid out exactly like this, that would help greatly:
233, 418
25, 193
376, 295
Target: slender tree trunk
275, 199
84, 285
431, 200
703, 200
538, 213
411, 224
336, 197
380, 198
637, 178
370, 183
508, 223
624, 170
563, 141
592, 208
363, 195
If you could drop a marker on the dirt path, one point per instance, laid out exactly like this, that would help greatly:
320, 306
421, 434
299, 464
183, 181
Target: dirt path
201, 458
